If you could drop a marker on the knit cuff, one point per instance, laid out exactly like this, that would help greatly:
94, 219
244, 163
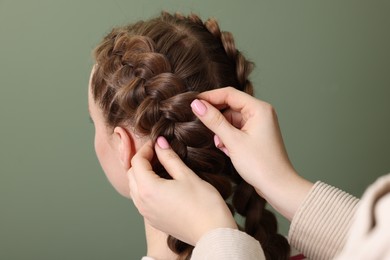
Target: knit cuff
320, 225
227, 244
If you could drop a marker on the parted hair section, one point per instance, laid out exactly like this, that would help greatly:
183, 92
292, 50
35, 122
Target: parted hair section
145, 78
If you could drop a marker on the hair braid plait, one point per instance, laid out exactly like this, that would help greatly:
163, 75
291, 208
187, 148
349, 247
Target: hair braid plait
146, 76
157, 102
259, 222
243, 67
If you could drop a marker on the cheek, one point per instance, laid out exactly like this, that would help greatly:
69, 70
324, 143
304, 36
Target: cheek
111, 165
99, 149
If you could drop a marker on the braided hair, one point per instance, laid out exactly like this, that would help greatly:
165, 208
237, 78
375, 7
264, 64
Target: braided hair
146, 76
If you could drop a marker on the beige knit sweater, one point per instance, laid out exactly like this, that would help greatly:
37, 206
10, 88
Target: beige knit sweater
325, 226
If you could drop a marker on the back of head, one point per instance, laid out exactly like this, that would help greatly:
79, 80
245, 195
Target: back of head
146, 76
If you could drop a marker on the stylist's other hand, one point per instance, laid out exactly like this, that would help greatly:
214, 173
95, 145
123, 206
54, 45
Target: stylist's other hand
180, 207
248, 131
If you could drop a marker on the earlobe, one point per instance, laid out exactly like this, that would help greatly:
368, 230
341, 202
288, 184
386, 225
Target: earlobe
125, 144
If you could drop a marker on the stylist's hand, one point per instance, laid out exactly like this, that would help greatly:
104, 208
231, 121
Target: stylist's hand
174, 206
249, 133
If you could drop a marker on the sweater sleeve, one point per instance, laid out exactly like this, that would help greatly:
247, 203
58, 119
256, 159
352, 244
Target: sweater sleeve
320, 225
227, 244
369, 237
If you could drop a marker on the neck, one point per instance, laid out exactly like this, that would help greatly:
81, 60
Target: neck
157, 246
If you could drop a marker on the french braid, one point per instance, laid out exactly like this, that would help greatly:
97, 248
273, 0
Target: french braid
146, 76
259, 222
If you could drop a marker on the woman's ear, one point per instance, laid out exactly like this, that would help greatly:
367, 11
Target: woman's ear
125, 144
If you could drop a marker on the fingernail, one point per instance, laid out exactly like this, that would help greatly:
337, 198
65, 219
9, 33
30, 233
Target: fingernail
162, 142
223, 149
198, 107
217, 141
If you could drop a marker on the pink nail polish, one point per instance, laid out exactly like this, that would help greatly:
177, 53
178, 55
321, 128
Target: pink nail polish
217, 141
162, 142
198, 107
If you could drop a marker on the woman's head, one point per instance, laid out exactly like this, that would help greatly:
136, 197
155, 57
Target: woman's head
147, 73
145, 77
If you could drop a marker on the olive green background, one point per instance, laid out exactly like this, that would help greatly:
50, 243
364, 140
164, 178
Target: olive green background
324, 65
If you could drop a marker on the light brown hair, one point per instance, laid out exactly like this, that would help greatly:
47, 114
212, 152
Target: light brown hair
146, 76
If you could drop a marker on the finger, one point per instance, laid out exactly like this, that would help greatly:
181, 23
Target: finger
231, 97
141, 169
133, 186
134, 192
141, 160
234, 118
219, 144
213, 119
170, 160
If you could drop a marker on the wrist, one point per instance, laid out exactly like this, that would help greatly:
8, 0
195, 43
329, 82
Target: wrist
285, 192
224, 221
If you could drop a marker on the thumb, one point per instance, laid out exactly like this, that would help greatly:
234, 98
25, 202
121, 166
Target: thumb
213, 119
170, 160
